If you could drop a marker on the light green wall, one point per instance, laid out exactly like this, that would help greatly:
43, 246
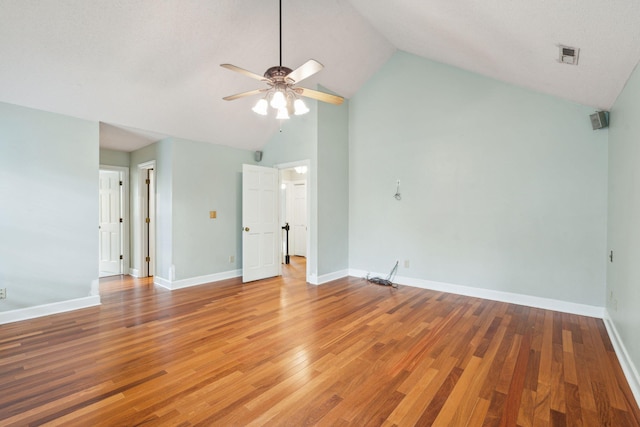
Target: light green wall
206, 177
623, 275
296, 141
115, 158
48, 207
502, 188
192, 178
164, 176
321, 136
333, 187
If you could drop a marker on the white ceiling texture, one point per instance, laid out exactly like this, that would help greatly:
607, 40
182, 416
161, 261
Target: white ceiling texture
151, 68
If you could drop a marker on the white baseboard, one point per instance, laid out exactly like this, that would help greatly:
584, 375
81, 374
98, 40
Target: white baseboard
48, 309
195, 281
162, 282
513, 298
134, 272
628, 367
320, 280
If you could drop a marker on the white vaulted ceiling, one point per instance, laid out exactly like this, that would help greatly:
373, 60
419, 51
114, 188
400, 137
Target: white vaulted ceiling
154, 64
517, 41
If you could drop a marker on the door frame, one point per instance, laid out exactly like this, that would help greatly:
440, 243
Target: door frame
290, 165
124, 213
146, 270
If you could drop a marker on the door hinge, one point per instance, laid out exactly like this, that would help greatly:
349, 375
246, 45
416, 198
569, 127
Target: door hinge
121, 220
147, 220
120, 182
611, 256
148, 259
121, 257
147, 181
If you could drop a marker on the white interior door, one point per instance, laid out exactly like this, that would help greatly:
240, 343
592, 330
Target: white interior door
260, 234
300, 219
109, 224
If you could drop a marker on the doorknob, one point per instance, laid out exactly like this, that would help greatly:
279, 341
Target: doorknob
246, 229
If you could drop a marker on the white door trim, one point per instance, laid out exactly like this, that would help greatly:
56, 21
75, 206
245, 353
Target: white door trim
309, 180
124, 213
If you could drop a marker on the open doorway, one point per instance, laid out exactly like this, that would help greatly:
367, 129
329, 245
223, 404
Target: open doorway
113, 236
294, 217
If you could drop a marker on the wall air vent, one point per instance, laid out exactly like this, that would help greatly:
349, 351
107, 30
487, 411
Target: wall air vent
569, 55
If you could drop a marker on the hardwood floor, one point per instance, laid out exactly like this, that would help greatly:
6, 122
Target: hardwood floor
281, 352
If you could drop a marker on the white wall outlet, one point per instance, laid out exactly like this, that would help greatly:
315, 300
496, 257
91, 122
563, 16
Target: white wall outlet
3, 293
232, 259
407, 264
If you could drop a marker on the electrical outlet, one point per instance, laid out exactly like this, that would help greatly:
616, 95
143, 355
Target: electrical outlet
3, 293
406, 263
232, 259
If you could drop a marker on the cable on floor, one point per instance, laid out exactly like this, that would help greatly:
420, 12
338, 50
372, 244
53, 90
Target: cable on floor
387, 281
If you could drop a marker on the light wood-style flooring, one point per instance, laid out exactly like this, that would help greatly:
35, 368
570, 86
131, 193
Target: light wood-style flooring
282, 352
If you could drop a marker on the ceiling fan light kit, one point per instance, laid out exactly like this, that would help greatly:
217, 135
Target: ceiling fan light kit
299, 107
282, 93
261, 107
278, 100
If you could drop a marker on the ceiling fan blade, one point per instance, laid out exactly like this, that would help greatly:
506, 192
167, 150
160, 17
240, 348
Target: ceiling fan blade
243, 94
307, 69
245, 72
320, 96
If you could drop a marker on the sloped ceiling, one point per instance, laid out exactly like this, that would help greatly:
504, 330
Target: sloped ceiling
518, 41
154, 65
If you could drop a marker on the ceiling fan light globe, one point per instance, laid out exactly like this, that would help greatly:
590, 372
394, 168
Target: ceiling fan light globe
278, 101
283, 114
300, 107
261, 107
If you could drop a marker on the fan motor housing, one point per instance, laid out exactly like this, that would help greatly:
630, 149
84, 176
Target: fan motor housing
277, 72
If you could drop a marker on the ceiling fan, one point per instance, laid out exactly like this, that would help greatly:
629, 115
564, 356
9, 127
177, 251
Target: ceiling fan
281, 91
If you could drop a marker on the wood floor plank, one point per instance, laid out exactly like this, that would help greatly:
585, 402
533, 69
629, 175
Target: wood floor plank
479, 413
282, 352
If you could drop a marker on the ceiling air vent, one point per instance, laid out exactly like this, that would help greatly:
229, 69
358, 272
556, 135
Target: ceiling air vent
569, 55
